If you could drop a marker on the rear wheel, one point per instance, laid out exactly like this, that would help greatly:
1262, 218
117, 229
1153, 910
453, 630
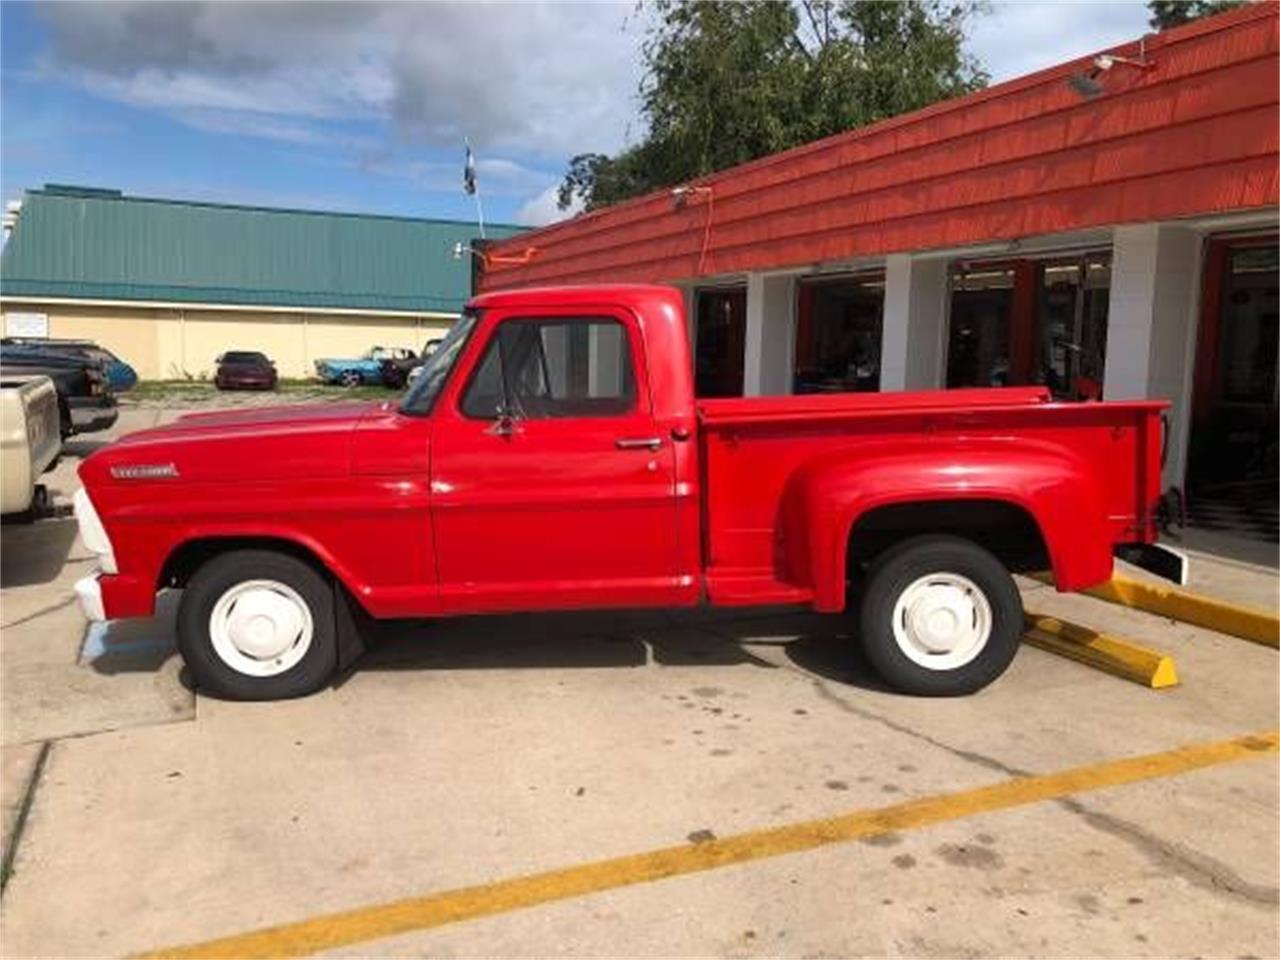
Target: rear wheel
351, 379
258, 625
940, 616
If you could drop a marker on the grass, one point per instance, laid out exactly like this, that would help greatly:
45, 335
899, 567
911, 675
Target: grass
189, 390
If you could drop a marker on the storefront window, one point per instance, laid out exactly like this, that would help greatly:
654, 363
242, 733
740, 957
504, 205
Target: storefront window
978, 341
840, 325
1072, 325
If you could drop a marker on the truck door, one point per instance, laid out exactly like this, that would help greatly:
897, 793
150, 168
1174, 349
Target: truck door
551, 486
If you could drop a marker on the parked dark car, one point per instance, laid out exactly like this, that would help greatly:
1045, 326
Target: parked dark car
428, 350
120, 375
85, 399
245, 370
405, 370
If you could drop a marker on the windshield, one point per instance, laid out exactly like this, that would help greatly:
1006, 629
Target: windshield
435, 369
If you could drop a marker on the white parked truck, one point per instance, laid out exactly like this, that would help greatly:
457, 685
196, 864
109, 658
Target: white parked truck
30, 441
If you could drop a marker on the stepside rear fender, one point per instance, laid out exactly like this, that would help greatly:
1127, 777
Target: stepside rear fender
826, 496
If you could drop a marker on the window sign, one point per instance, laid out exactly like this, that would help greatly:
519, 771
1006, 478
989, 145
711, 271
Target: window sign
26, 325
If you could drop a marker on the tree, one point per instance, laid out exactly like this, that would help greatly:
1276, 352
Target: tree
1174, 13
727, 82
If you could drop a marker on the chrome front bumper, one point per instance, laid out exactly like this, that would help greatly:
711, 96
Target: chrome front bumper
89, 593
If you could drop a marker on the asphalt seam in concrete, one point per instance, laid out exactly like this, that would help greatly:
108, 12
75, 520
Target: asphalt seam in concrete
1198, 868
431, 911
85, 734
60, 605
24, 810
969, 756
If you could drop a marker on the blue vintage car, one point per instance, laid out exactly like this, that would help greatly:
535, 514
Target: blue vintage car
367, 369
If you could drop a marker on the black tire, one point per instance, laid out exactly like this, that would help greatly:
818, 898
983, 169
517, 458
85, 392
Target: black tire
211, 672
351, 379
900, 567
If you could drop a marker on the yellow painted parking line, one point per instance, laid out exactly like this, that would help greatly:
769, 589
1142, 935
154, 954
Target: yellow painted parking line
1113, 654
364, 924
1237, 620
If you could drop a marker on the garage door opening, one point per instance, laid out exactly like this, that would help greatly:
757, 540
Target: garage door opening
1233, 473
720, 342
839, 332
1031, 321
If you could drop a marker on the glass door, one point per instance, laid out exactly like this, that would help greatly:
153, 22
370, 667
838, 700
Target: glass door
720, 342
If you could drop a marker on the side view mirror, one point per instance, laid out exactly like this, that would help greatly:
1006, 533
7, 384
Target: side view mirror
506, 425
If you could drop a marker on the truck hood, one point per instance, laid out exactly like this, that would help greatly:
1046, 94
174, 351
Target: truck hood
266, 443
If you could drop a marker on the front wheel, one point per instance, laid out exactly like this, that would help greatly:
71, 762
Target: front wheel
258, 625
940, 616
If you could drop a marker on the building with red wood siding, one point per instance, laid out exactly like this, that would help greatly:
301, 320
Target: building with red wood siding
1106, 227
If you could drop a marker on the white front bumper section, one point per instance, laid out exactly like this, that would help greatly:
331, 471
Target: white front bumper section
89, 593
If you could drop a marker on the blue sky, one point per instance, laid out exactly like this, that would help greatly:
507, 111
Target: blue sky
364, 106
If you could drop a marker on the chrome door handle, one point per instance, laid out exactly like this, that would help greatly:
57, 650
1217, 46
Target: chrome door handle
639, 443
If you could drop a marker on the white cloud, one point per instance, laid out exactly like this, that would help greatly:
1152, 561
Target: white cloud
380, 83
551, 78
267, 127
543, 208
1017, 38
496, 176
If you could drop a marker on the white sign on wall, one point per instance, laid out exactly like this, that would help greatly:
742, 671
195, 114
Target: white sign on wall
26, 324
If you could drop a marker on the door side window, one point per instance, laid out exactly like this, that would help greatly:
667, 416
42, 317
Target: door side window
547, 369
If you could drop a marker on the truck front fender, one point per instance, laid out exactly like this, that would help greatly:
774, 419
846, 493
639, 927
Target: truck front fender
827, 496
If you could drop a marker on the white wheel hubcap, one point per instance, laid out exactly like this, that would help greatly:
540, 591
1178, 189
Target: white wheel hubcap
261, 628
942, 621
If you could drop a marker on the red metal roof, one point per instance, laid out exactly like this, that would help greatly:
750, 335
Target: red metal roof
1198, 133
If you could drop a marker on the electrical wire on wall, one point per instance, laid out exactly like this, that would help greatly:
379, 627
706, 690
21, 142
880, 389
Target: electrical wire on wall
487, 260
681, 196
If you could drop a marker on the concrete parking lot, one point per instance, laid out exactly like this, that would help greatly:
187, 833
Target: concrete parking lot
615, 763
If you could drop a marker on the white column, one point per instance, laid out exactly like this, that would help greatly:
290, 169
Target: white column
1151, 325
913, 352
605, 365
771, 342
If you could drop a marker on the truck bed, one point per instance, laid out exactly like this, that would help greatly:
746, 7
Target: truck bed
758, 455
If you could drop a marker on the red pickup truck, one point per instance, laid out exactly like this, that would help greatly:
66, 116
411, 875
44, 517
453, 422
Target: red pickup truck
552, 456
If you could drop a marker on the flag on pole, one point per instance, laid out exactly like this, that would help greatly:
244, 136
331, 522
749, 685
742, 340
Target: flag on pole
469, 173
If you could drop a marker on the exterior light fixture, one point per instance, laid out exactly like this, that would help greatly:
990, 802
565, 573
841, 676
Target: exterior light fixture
460, 251
682, 194
1087, 84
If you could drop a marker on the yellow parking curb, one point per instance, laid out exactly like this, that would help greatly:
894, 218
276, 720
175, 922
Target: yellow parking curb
1115, 655
1247, 623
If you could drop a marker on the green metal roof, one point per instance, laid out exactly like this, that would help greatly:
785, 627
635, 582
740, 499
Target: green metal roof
95, 244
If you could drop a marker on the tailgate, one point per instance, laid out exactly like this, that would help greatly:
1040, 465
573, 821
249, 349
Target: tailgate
1130, 477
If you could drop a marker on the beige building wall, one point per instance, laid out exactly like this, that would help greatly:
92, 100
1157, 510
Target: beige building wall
163, 343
